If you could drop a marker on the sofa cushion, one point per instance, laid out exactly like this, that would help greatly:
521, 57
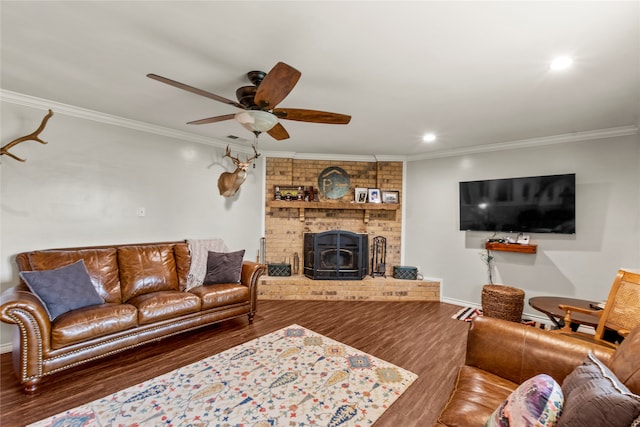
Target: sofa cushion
475, 396
594, 396
221, 294
101, 264
62, 289
536, 402
162, 305
223, 267
92, 322
145, 269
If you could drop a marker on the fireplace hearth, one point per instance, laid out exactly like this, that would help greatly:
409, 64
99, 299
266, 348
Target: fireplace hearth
336, 255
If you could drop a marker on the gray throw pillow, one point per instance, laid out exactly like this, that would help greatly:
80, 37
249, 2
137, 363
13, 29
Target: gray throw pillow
223, 267
63, 289
593, 396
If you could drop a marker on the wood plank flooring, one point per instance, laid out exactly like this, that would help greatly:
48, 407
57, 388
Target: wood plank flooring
418, 336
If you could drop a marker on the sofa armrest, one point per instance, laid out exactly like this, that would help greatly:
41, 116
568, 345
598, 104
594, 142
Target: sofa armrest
26, 311
518, 352
251, 272
20, 306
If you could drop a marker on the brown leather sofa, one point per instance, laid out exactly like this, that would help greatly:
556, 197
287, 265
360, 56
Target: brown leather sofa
501, 355
143, 286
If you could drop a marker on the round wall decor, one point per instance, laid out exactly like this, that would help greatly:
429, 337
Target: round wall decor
333, 182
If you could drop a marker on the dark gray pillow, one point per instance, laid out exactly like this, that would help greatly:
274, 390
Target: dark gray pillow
63, 289
223, 267
593, 396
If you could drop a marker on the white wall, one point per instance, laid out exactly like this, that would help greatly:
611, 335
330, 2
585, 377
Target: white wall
84, 188
581, 265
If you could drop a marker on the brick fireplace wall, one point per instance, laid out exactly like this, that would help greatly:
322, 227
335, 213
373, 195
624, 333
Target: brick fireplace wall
285, 226
284, 230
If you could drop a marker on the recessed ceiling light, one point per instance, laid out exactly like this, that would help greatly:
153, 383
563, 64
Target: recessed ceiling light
429, 137
561, 63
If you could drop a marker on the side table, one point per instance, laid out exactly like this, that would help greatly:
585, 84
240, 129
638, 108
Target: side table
549, 306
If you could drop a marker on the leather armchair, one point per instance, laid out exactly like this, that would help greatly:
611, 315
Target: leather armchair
501, 355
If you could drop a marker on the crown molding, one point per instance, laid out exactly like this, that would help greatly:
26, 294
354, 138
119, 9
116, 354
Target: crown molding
345, 157
328, 156
96, 116
70, 110
532, 142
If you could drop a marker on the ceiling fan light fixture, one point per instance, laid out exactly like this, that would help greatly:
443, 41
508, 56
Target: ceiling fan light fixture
256, 120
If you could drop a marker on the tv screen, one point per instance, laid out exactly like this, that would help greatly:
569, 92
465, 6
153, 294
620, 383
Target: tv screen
536, 204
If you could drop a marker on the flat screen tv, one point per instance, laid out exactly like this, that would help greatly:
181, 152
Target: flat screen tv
535, 204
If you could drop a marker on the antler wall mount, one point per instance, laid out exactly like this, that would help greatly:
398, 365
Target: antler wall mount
259, 102
32, 136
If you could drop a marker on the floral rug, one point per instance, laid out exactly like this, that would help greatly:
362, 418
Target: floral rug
291, 377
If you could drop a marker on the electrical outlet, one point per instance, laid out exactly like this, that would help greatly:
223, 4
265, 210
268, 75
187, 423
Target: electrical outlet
141, 212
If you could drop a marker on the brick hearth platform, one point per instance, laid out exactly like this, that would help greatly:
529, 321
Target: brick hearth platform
369, 289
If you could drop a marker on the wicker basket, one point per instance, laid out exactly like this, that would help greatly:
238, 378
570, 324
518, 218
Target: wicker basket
502, 302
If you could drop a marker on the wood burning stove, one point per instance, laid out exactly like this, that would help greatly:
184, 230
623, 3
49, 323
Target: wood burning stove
336, 255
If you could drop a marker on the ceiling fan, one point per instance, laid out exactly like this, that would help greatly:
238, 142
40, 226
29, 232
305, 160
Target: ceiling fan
258, 102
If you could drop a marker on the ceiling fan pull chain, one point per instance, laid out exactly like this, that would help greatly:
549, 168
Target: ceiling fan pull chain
255, 145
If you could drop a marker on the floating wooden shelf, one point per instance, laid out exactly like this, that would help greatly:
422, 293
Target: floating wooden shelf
511, 247
302, 205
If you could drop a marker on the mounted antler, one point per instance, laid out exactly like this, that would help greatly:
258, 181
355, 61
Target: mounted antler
32, 136
230, 182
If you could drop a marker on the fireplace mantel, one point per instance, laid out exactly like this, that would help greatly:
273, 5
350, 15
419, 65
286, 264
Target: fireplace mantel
336, 205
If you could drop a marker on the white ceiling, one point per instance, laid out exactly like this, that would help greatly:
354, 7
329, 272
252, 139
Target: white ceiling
475, 73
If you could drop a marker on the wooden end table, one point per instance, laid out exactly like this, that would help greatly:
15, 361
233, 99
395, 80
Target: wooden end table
549, 306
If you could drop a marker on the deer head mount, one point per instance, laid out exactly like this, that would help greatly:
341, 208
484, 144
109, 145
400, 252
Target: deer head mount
230, 182
32, 136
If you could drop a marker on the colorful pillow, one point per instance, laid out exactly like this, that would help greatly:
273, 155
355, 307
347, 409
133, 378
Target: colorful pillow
223, 267
63, 289
536, 402
595, 396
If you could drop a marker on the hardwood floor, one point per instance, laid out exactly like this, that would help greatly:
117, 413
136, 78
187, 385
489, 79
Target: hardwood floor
418, 336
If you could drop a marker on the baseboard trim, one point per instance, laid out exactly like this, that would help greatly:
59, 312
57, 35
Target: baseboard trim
6, 348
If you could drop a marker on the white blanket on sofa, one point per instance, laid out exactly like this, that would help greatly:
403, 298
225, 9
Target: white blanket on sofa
199, 249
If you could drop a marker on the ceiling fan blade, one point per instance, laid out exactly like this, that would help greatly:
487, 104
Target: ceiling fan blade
278, 132
313, 116
194, 90
276, 85
212, 119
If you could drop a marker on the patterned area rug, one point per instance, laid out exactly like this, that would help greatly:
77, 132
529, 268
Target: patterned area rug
293, 376
467, 314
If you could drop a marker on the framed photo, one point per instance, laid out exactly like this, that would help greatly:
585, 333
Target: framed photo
374, 195
361, 195
390, 197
